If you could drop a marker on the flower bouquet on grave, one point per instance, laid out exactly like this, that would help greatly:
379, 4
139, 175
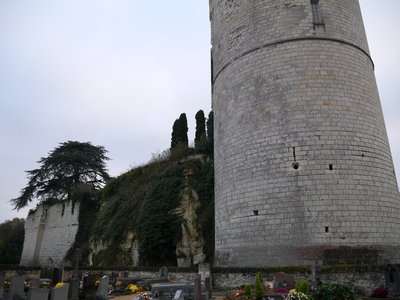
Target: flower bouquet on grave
293, 295
144, 296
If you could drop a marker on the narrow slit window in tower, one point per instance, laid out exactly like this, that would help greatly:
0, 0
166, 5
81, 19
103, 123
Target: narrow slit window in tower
255, 212
327, 229
330, 167
316, 13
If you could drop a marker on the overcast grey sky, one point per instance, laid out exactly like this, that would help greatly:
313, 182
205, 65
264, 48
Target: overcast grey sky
118, 73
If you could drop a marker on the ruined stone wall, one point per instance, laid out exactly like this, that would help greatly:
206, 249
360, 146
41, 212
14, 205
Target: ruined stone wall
49, 233
302, 159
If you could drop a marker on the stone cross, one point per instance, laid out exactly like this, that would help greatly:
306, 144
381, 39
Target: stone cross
75, 276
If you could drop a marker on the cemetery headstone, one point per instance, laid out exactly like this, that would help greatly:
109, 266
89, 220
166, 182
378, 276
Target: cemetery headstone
56, 275
207, 287
74, 289
392, 280
88, 287
35, 283
178, 295
38, 294
163, 272
197, 287
17, 288
60, 293
45, 272
162, 290
283, 280
102, 290
2, 278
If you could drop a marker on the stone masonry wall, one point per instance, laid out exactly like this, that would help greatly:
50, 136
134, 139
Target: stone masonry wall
49, 233
364, 282
302, 159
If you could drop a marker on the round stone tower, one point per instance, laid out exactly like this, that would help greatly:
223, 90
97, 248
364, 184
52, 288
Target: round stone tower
303, 169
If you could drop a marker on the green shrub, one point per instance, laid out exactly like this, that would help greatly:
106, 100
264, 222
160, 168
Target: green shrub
334, 291
247, 290
259, 286
303, 286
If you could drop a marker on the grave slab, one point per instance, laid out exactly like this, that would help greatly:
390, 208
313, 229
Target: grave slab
102, 290
35, 293
60, 293
17, 287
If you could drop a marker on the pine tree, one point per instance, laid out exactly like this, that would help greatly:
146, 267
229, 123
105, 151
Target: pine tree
69, 165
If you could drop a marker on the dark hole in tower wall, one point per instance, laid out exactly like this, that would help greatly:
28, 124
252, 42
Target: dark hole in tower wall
295, 164
316, 13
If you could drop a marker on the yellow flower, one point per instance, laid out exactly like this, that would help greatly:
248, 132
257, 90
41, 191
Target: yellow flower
119, 283
132, 287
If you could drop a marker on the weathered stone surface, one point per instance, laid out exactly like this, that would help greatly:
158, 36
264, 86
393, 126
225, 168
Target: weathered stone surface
130, 245
60, 293
35, 293
190, 249
302, 159
49, 233
17, 287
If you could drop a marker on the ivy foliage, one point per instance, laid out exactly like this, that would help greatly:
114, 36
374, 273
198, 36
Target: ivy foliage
202, 181
158, 228
121, 199
334, 291
140, 204
89, 205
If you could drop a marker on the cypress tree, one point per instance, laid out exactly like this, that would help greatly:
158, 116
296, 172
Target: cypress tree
183, 130
179, 136
174, 135
200, 135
